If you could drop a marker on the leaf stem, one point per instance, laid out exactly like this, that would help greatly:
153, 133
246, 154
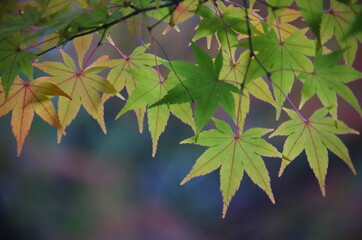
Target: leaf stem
233, 3
157, 65
225, 30
268, 73
170, 63
117, 49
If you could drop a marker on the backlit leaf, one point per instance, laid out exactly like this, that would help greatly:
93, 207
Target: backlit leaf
14, 58
119, 76
152, 88
233, 154
337, 21
202, 83
81, 84
315, 136
283, 58
25, 99
327, 80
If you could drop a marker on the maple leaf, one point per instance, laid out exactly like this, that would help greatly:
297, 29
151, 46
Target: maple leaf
233, 154
203, 85
355, 28
183, 11
225, 26
337, 21
315, 136
14, 57
174, 14
282, 25
120, 77
327, 80
82, 84
25, 99
12, 24
152, 87
234, 71
312, 12
281, 57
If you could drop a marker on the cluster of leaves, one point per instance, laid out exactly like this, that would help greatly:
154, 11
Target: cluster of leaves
255, 54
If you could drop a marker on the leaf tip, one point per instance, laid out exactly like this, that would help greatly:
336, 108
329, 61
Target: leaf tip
182, 182
283, 166
59, 137
272, 199
224, 210
118, 115
120, 96
323, 192
323, 189
354, 171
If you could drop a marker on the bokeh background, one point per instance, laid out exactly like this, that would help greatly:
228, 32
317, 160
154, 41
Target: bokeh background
99, 187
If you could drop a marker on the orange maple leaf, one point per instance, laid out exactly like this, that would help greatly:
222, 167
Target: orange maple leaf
24, 99
81, 84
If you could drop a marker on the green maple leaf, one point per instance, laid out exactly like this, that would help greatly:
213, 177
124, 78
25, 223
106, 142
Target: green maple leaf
14, 57
312, 12
233, 154
315, 136
225, 27
356, 26
152, 87
283, 58
327, 80
12, 24
338, 21
203, 85
120, 77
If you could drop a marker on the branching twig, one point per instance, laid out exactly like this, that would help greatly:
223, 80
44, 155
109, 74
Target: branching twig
108, 25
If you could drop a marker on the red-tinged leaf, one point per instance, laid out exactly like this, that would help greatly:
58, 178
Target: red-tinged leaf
24, 99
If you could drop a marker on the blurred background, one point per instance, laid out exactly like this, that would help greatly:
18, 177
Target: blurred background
99, 187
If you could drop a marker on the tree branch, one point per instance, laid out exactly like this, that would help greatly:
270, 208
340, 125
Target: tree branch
107, 25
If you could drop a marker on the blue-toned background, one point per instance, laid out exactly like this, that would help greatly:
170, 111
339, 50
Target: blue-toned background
99, 187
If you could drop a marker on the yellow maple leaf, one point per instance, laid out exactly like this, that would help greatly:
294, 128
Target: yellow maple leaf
82, 84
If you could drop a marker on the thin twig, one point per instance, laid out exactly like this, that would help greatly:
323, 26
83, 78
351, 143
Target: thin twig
107, 25
268, 73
